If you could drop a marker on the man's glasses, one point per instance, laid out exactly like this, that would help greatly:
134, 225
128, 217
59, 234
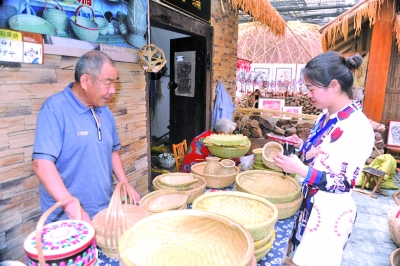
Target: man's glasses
98, 123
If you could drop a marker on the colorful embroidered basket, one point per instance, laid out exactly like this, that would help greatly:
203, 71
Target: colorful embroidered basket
68, 242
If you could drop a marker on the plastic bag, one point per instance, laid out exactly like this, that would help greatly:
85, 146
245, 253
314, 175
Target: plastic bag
246, 162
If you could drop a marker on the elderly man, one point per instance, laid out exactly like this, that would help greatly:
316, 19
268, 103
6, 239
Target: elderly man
76, 143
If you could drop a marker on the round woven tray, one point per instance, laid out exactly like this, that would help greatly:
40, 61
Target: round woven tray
255, 213
262, 242
395, 257
196, 189
164, 200
270, 185
394, 225
186, 237
262, 251
269, 150
214, 181
176, 180
229, 152
286, 210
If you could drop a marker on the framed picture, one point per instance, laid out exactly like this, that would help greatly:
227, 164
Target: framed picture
393, 137
271, 104
284, 72
292, 109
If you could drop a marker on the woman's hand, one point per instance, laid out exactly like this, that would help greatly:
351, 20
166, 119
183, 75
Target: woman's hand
291, 164
294, 138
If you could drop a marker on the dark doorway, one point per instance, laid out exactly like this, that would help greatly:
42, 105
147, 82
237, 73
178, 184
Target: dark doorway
187, 114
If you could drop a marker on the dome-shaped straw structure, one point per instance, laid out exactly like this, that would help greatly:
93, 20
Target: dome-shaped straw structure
258, 44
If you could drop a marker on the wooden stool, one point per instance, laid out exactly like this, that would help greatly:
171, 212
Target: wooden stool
378, 177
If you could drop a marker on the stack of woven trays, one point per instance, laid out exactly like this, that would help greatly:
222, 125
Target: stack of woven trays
164, 200
258, 163
283, 191
254, 213
214, 181
187, 183
228, 146
186, 237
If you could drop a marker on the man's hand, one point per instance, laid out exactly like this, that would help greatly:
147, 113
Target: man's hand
71, 210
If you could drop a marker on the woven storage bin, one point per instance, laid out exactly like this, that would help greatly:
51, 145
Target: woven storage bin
262, 251
111, 222
229, 152
30, 22
194, 191
62, 242
164, 200
84, 28
395, 257
394, 225
186, 237
271, 149
271, 185
255, 213
57, 18
214, 181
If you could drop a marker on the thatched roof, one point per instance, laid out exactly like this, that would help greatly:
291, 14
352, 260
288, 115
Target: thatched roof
301, 42
262, 11
364, 10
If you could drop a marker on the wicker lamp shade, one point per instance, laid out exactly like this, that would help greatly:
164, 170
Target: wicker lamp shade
151, 58
255, 213
186, 237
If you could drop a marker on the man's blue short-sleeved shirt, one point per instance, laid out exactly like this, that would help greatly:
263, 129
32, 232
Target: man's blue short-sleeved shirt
67, 134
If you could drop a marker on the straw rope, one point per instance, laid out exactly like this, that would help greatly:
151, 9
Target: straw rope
396, 30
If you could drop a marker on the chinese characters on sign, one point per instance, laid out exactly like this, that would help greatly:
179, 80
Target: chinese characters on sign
200, 9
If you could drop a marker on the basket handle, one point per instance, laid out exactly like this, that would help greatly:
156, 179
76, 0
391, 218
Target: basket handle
44, 8
115, 217
77, 10
39, 226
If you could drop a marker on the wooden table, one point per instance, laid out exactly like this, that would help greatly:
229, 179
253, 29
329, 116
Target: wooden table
377, 175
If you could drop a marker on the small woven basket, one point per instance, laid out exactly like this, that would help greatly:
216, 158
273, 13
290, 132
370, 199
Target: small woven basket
57, 18
395, 257
186, 237
164, 200
214, 181
227, 167
271, 149
229, 152
30, 22
112, 222
394, 225
270, 185
193, 191
151, 58
84, 28
255, 213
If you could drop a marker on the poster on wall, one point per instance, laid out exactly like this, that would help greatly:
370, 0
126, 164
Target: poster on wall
185, 68
71, 27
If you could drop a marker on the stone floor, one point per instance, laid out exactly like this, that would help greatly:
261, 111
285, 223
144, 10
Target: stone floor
370, 243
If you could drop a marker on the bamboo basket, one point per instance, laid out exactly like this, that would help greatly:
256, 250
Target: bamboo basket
262, 251
151, 58
286, 210
195, 190
229, 152
394, 225
214, 181
30, 22
186, 237
84, 28
164, 200
271, 149
57, 18
262, 242
270, 185
177, 180
111, 222
255, 213
395, 257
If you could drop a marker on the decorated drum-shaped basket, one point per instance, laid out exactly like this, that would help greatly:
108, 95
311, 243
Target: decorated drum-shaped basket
68, 242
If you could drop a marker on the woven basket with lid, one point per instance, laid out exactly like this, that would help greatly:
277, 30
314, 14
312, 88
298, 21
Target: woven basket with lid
255, 213
186, 237
214, 181
269, 150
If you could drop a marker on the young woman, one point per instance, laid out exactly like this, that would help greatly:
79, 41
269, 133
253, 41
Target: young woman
333, 157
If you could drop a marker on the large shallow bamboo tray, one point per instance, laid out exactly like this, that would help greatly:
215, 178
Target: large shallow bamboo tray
255, 213
194, 191
270, 185
186, 237
214, 181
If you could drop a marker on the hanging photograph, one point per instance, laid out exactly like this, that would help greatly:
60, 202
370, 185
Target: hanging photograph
284, 73
393, 137
72, 27
185, 67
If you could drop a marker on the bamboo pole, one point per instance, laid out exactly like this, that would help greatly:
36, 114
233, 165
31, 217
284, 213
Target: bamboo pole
259, 112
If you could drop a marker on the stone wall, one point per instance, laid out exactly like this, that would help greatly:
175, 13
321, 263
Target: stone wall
22, 92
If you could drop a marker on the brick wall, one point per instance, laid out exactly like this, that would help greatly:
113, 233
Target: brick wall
22, 92
225, 24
